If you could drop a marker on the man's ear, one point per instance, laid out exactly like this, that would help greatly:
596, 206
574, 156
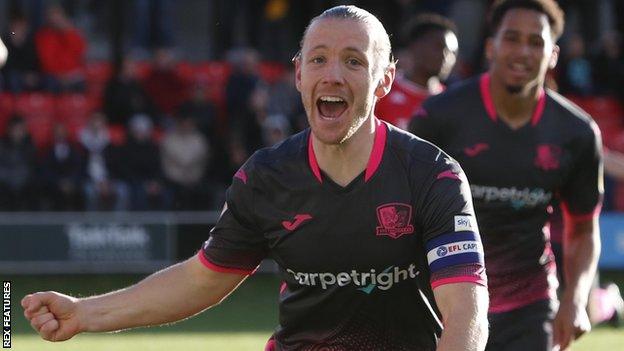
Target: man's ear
554, 57
489, 48
297, 62
385, 83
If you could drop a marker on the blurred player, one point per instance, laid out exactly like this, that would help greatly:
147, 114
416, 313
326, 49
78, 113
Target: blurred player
428, 59
372, 228
605, 304
522, 146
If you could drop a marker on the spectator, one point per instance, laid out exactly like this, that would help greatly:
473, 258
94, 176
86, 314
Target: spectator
164, 85
61, 50
205, 116
275, 128
62, 173
125, 96
21, 71
202, 111
17, 167
140, 167
185, 154
576, 69
243, 83
284, 99
609, 65
103, 190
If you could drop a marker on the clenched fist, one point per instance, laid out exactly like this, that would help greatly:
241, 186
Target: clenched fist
54, 316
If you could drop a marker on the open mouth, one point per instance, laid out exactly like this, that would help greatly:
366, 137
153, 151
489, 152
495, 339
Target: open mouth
331, 107
519, 68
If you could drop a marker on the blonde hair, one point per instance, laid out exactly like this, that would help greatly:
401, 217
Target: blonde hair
382, 47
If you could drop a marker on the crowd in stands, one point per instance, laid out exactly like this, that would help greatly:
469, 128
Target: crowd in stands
151, 135
168, 134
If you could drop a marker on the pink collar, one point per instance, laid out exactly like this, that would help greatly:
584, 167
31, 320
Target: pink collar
373, 162
486, 96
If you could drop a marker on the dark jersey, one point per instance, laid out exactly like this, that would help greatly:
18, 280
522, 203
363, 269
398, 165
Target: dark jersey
515, 175
359, 262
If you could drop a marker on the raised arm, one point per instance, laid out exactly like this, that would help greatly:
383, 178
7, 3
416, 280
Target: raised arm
169, 295
464, 316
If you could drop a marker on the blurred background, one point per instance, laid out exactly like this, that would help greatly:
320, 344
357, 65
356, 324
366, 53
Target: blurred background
122, 123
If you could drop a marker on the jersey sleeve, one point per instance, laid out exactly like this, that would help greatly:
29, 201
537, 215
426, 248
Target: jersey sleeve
450, 232
582, 193
235, 244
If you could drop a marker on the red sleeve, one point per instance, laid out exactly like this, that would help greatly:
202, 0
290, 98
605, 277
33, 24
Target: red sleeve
59, 51
74, 43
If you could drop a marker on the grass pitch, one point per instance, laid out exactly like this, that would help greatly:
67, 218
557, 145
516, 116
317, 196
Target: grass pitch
243, 322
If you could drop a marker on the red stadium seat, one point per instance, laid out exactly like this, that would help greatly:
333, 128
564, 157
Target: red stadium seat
271, 72
117, 134
212, 73
35, 105
74, 110
98, 72
38, 110
41, 132
7, 108
608, 114
97, 75
602, 108
143, 68
186, 70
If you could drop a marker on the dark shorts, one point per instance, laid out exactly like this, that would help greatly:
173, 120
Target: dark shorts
525, 329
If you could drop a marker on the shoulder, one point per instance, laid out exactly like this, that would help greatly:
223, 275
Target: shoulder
277, 158
464, 90
575, 118
416, 152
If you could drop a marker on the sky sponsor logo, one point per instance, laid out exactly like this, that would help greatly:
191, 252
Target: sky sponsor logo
465, 223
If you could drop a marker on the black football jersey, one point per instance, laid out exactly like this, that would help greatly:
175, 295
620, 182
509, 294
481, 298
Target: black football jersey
515, 174
360, 262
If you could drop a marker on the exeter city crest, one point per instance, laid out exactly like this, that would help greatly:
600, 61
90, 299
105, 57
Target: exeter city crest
547, 157
394, 220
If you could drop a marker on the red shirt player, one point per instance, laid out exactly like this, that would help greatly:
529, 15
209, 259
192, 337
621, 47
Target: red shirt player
430, 50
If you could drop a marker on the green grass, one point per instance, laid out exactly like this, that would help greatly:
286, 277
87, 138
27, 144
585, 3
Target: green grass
251, 308
604, 338
243, 322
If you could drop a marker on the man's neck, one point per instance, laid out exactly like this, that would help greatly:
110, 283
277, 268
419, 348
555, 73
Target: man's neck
345, 161
515, 109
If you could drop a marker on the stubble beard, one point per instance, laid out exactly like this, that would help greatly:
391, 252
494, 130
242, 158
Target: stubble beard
361, 115
513, 89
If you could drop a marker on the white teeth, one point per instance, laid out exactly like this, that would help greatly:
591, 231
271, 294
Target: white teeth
331, 99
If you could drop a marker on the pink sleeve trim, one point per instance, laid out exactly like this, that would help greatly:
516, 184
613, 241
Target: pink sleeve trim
580, 217
462, 279
221, 269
